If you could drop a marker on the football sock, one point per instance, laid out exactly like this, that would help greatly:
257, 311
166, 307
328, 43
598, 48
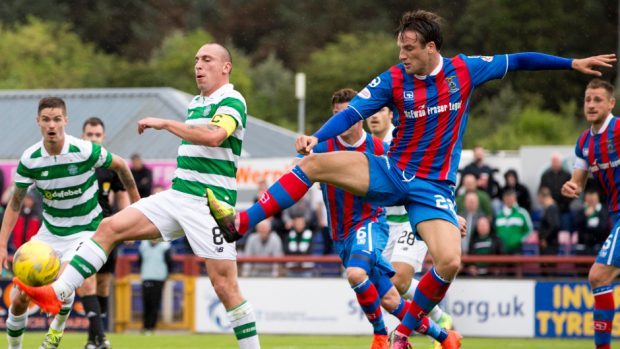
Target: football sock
243, 322
59, 321
436, 313
603, 316
401, 309
103, 305
15, 327
89, 258
430, 291
93, 313
368, 298
282, 194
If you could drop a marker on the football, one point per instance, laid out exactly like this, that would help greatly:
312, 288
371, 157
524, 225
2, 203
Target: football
36, 264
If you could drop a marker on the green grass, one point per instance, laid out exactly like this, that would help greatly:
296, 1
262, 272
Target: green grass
196, 341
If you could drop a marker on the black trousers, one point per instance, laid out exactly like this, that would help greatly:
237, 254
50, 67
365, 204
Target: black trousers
152, 291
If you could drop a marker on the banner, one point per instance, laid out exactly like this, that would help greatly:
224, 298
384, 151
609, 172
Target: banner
289, 306
37, 321
564, 309
492, 308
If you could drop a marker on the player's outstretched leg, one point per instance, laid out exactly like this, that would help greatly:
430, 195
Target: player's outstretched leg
89, 258
289, 189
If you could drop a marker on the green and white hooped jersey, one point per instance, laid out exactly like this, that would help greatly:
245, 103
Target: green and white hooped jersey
67, 183
200, 167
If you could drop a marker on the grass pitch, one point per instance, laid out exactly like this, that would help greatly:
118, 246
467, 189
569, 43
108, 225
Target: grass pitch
196, 341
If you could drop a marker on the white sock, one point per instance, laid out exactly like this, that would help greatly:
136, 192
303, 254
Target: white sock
15, 328
89, 257
244, 325
411, 290
58, 324
435, 313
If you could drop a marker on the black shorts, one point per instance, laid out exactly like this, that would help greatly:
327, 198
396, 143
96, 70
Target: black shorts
110, 264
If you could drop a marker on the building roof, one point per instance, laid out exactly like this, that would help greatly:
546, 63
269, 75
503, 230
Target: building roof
120, 109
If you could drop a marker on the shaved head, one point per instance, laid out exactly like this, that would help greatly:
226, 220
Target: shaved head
222, 51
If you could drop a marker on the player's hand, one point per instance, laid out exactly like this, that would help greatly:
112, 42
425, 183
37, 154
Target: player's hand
571, 189
304, 144
587, 65
4, 258
154, 123
462, 226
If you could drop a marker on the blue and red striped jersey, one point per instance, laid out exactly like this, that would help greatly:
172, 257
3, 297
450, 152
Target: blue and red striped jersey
430, 112
600, 151
345, 211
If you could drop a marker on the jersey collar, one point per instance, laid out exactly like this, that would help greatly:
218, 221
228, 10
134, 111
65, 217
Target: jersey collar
434, 72
220, 92
356, 144
605, 124
65, 146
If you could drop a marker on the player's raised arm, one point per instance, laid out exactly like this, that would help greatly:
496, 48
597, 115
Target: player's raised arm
119, 166
8, 222
541, 61
211, 134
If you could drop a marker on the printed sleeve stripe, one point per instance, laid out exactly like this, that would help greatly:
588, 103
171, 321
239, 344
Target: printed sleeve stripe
505, 71
580, 164
358, 113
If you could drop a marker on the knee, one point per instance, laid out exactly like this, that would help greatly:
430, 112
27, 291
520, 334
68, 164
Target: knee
108, 230
89, 287
356, 275
401, 282
19, 303
598, 277
448, 266
310, 166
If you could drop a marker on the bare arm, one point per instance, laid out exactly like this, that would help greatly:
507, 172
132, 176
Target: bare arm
119, 166
209, 135
8, 223
575, 186
122, 199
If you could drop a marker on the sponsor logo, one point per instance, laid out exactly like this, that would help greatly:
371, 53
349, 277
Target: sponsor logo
423, 110
484, 58
220, 249
600, 326
264, 198
375, 82
408, 95
207, 110
51, 195
365, 93
45, 173
218, 314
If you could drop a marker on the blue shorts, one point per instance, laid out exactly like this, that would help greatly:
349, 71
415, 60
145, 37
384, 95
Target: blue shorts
424, 199
610, 251
370, 240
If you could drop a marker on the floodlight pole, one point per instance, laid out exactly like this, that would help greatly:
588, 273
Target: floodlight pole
300, 94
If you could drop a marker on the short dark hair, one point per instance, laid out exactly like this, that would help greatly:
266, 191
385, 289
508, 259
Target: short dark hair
52, 102
426, 24
600, 83
343, 96
93, 121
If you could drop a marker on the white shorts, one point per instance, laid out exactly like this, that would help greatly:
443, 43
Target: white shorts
176, 214
403, 246
63, 245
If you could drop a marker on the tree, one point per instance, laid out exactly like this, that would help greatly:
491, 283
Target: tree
352, 61
42, 54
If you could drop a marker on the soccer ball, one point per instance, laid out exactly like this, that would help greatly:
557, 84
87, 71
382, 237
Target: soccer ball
36, 264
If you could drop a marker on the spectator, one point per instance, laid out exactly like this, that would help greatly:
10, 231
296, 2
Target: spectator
322, 227
155, 264
483, 173
512, 224
549, 223
471, 212
28, 223
483, 242
299, 242
523, 194
469, 184
265, 242
592, 223
553, 178
302, 208
142, 175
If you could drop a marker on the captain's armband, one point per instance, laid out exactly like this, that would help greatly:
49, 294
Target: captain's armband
225, 121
